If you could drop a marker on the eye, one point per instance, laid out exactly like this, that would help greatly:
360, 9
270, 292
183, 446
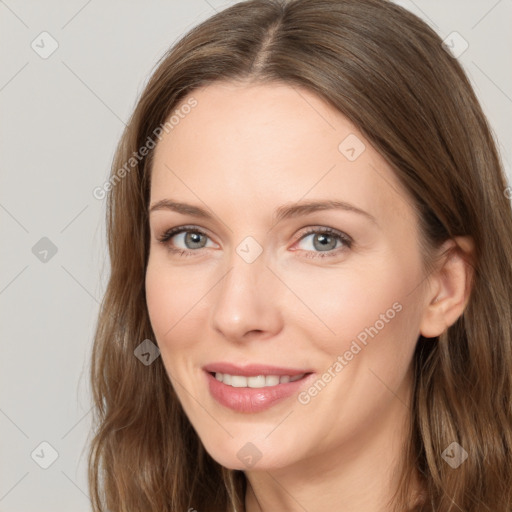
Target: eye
190, 238
324, 242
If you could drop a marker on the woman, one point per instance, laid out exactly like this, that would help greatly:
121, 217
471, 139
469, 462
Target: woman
308, 216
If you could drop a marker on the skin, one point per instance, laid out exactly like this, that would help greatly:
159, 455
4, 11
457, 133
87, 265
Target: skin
242, 152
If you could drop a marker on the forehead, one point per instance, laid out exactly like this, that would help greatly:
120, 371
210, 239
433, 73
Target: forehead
264, 145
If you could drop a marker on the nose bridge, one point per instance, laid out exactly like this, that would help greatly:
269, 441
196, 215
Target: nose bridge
247, 297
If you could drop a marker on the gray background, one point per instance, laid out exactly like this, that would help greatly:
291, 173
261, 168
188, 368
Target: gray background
61, 118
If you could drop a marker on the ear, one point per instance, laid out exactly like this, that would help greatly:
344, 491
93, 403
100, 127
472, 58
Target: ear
450, 287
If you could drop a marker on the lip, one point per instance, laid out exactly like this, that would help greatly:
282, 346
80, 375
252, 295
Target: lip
252, 370
253, 400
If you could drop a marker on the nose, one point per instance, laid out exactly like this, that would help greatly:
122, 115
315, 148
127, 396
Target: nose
246, 304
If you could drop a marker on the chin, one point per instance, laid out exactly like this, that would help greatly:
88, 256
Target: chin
247, 456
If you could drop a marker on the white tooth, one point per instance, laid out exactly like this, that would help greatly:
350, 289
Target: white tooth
238, 381
271, 380
256, 382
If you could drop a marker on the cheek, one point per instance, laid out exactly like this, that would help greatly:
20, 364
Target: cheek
164, 297
175, 298
160, 301
358, 302
170, 298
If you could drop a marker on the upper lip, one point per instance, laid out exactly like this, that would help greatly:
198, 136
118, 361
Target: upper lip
252, 370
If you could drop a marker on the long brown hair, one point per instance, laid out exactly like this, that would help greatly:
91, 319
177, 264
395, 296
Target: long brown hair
387, 72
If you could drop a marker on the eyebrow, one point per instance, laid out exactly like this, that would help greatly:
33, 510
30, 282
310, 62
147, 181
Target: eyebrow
280, 214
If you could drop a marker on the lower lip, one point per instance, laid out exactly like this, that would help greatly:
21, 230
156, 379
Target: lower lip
250, 400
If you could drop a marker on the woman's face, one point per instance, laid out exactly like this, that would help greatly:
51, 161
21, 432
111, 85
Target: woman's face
254, 285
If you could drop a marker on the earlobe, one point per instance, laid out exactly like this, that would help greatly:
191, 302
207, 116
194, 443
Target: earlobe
450, 287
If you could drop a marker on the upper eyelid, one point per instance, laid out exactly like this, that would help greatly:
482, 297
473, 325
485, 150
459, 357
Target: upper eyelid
183, 229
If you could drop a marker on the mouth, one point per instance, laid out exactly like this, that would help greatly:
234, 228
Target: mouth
251, 394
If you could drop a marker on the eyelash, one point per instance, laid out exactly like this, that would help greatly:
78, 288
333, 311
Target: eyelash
165, 238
